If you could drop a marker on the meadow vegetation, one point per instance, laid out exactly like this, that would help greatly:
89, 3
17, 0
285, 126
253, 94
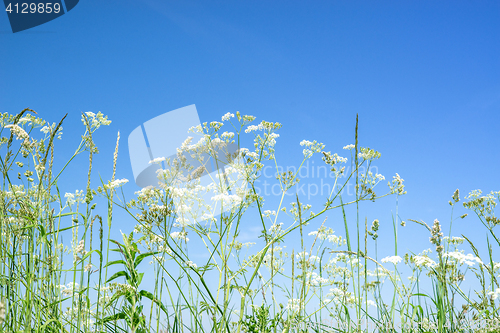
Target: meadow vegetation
331, 281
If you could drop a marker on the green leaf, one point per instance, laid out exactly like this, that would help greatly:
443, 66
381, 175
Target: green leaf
139, 279
118, 274
141, 257
115, 262
114, 317
147, 294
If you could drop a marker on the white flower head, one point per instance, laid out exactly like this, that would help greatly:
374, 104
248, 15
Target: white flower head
227, 116
348, 147
393, 259
115, 183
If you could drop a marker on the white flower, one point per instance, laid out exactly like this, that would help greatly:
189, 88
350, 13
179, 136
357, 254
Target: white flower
191, 264
252, 128
394, 259
424, 261
494, 294
45, 129
226, 136
157, 160
463, 259
116, 183
306, 143
227, 198
180, 235
19, 132
268, 213
294, 304
68, 289
307, 153
275, 227
73, 198
227, 116
95, 121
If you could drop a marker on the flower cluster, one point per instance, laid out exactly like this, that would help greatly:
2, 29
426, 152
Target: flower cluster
369, 154
116, 183
227, 116
392, 259
69, 288
95, 120
397, 185
180, 235
20, 134
423, 261
311, 148
462, 258
494, 294
295, 304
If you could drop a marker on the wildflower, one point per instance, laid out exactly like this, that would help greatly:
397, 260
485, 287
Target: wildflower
462, 258
115, 183
227, 198
73, 198
307, 153
19, 133
368, 154
315, 279
227, 116
294, 304
157, 160
95, 121
252, 128
423, 261
226, 136
45, 129
191, 264
275, 228
306, 143
348, 147
88, 267
69, 288
180, 235
494, 294
394, 259
397, 185
268, 213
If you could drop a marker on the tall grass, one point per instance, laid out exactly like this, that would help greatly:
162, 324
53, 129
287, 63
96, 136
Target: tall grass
325, 282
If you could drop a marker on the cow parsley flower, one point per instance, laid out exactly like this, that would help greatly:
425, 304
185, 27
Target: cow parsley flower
348, 147
115, 183
227, 116
191, 264
393, 259
494, 294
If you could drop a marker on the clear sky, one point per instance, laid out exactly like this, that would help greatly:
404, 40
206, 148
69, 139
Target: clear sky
424, 77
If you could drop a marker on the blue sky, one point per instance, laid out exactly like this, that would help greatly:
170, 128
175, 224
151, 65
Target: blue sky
424, 77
